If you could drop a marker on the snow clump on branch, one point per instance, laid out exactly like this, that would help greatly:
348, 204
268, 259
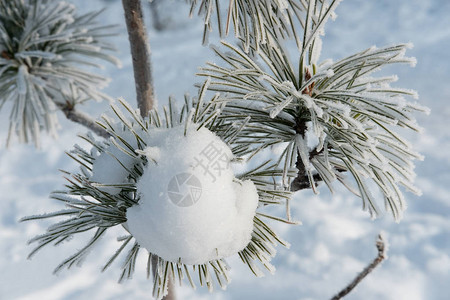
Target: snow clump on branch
189, 210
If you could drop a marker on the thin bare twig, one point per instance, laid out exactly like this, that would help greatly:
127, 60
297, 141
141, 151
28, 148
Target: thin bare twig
382, 248
140, 53
83, 119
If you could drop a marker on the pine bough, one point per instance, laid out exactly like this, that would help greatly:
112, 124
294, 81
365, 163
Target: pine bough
351, 114
42, 45
100, 206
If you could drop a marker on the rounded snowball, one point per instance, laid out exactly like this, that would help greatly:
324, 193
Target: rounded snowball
192, 209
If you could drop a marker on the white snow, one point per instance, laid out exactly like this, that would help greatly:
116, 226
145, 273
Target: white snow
191, 207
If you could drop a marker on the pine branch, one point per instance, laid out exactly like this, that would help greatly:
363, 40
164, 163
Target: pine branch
353, 115
382, 248
45, 49
95, 202
140, 53
252, 20
83, 119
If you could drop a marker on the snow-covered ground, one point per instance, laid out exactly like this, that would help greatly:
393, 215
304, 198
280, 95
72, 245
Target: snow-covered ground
336, 239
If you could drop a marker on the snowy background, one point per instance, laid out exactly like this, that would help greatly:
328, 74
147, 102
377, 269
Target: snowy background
336, 239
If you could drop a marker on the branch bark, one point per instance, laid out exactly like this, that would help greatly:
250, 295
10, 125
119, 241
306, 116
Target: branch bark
301, 182
140, 53
381, 247
83, 119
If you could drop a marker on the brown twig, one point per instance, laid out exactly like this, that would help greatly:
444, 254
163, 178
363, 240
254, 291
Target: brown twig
83, 119
302, 180
140, 53
381, 246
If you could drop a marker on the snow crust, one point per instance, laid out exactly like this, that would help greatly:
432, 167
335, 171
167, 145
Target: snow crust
192, 209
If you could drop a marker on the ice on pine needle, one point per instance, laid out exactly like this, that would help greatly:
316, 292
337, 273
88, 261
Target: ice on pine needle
191, 208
